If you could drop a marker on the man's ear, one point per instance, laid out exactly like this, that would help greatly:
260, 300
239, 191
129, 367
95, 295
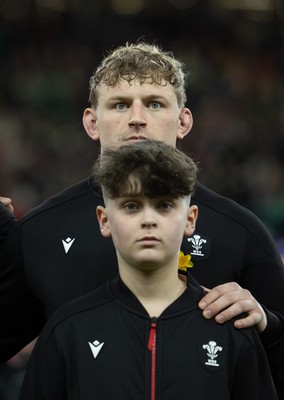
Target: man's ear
90, 123
192, 214
186, 122
103, 221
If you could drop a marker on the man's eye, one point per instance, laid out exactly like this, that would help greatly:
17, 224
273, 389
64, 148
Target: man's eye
120, 106
155, 104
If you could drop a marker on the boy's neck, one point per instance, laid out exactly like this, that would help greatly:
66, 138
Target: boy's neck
155, 290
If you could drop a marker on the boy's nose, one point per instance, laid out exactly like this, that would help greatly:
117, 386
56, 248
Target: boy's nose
148, 219
149, 224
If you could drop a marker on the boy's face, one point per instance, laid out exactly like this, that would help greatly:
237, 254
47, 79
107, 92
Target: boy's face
129, 112
147, 233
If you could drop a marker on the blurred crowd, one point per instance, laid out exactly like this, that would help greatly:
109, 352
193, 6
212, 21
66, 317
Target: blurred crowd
235, 91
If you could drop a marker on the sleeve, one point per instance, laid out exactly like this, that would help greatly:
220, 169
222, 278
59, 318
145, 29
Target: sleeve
273, 340
45, 377
252, 377
263, 275
22, 315
263, 269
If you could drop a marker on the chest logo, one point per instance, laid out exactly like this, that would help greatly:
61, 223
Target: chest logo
67, 243
96, 347
197, 244
212, 353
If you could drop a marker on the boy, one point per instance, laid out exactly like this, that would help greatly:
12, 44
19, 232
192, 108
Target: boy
142, 336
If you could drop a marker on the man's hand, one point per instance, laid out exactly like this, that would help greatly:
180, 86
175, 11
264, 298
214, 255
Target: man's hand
229, 300
7, 203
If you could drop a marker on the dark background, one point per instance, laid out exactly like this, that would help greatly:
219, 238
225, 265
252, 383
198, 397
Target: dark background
234, 50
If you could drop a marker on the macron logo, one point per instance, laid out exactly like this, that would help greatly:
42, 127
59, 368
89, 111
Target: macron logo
67, 243
96, 347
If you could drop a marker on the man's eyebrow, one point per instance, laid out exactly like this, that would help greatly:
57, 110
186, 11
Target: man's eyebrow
155, 96
148, 95
116, 98
151, 96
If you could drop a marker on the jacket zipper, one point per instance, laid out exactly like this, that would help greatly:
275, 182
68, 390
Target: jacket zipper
152, 348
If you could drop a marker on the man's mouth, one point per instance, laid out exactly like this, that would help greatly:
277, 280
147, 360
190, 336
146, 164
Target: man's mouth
135, 138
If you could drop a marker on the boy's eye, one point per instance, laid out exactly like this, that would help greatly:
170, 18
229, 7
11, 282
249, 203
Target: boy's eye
165, 205
130, 206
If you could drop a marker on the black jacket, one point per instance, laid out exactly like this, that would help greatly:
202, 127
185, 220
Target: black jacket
105, 346
58, 249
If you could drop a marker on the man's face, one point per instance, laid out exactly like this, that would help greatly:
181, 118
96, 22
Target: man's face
130, 112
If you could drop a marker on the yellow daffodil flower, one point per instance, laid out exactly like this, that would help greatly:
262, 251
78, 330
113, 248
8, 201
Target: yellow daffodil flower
184, 261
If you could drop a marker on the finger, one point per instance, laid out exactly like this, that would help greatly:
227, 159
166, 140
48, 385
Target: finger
252, 315
254, 319
230, 305
7, 203
257, 319
10, 208
5, 200
235, 309
218, 292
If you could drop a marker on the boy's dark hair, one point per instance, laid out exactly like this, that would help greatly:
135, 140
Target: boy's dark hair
143, 62
160, 168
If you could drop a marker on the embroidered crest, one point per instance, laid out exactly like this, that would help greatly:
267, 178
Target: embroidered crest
212, 353
197, 243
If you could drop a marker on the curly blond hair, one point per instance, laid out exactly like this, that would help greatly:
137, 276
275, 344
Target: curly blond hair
142, 62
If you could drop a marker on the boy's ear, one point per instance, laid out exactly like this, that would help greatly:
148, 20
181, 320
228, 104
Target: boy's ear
90, 123
103, 221
192, 214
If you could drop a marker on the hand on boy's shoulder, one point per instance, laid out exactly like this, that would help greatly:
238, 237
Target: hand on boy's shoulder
229, 300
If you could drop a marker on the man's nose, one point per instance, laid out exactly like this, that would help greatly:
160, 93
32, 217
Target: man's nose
137, 115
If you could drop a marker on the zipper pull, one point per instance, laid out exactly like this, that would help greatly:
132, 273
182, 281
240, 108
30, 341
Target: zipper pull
152, 336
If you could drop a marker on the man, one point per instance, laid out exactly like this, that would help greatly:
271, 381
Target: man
144, 330
138, 93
